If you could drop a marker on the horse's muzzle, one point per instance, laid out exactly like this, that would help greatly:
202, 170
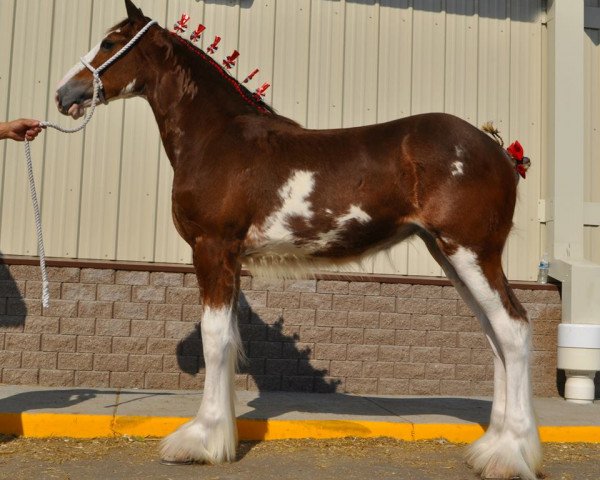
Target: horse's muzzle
73, 93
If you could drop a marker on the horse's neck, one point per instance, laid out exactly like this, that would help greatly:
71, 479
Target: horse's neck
190, 100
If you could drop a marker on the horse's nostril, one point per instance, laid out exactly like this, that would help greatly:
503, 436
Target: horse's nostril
65, 98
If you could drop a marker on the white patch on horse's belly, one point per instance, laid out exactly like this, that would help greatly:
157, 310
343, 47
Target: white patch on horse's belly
333, 235
279, 241
457, 168
355, 213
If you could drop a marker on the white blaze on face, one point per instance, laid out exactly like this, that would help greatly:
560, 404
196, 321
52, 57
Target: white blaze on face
294, 195
78, 67
76, 111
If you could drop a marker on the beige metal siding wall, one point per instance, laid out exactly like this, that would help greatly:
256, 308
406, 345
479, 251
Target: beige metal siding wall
333, 63
592, 132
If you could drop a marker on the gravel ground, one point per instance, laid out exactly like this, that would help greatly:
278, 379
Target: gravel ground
345, 459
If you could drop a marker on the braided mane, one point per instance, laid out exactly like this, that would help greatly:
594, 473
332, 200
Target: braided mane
246, 94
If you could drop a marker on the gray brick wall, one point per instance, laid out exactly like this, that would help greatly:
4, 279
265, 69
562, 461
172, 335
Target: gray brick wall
120, 328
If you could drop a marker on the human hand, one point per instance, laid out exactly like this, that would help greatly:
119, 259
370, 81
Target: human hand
19, 130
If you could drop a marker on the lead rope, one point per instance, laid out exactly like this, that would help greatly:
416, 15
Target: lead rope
36, 208
34, 200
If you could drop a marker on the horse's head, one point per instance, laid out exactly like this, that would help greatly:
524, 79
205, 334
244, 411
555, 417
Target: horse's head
122, 79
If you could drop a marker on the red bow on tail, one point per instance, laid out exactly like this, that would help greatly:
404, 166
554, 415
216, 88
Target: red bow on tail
515, 150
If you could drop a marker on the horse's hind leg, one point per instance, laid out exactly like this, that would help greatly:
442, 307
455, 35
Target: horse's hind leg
212, 435
511, 446
477, 455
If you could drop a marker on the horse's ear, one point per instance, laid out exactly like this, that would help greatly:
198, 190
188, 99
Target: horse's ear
133, 12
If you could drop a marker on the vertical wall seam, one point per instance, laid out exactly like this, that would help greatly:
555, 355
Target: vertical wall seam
308, 47
119, 184
83, 145
343, 86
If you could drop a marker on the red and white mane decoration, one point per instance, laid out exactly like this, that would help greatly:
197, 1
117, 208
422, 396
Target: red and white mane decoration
255, 187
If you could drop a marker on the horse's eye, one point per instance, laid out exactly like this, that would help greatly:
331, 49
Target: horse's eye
107, 45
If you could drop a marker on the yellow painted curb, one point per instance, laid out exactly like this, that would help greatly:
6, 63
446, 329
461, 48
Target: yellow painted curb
40, 425
284, 429
570, 434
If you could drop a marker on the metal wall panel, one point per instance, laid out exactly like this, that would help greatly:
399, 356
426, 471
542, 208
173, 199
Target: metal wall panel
101, 158
326, 67
106, 194
7, 12
62, 171
592, 133
525, 111
29, 80
291, 53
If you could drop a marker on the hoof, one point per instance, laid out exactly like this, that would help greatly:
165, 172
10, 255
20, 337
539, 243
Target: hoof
504, 457
195, 442
175, 463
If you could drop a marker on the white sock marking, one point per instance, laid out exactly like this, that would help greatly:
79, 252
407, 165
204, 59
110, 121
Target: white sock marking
212, 435
515, 449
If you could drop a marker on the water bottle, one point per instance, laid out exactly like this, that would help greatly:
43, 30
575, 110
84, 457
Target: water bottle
543, 269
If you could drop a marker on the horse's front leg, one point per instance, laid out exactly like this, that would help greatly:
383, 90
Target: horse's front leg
212, 435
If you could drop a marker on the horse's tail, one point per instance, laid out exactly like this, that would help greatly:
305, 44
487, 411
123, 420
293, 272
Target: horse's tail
488, 127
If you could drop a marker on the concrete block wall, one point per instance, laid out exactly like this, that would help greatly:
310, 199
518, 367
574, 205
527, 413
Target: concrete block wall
135, 328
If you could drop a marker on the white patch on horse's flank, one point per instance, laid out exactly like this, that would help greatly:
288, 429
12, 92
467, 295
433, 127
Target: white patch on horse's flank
294, 196
515, 448
78, 67
459, 150
457, 168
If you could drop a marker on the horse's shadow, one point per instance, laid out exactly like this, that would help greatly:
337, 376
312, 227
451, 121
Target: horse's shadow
268, 349
273, 360
13, 309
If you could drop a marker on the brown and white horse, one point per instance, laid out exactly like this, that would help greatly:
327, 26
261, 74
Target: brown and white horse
252, 186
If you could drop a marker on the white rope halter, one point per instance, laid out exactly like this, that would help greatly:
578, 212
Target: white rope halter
97, 87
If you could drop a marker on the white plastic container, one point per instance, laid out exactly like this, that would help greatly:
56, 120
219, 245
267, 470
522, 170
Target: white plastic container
579, 355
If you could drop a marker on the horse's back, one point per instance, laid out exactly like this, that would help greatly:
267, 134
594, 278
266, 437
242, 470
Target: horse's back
340, 193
